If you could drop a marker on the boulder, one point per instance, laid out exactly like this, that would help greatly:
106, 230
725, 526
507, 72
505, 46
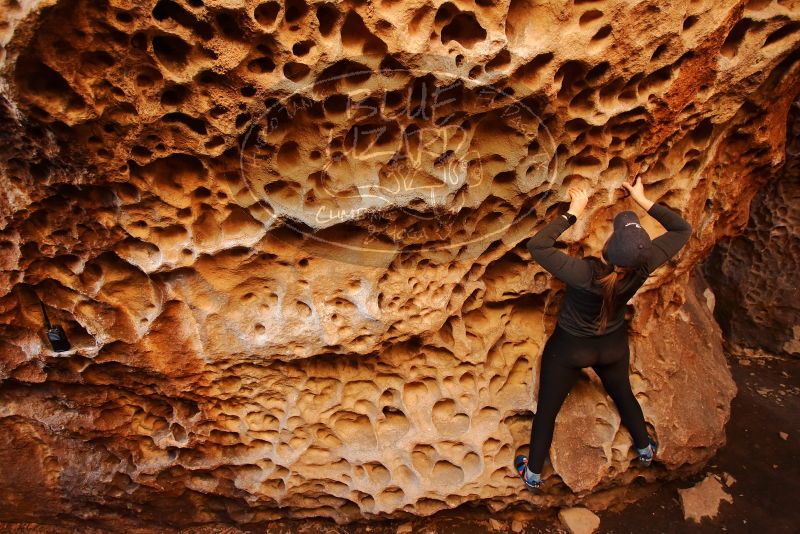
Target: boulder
703, 500
579, 520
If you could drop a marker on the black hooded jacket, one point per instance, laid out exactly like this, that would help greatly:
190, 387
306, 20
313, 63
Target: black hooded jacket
580, 311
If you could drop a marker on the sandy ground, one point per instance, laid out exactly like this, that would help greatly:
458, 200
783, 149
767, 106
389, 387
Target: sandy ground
766, 466
761, 463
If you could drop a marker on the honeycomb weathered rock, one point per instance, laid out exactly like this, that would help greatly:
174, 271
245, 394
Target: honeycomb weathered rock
287, 243
756, 275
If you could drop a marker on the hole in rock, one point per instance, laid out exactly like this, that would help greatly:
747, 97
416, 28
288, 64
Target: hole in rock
174, 96
534, 67
139, 41
597, 72
343, 71
391, 64
355, 34
302, 48
196, 125
295, 10
335, 104
361, 139
782, 33
218, 111
757, 5
124, 17
689, 22
167, 9
502, 59
209, 77
214, 142
172, 51
658, 52
242, 119
201, 193
420, 16
505, 177
148, 78
39, 79
602, 33
656, 80
582, 102
229, 25
97, 61
464, 29
702, 132
261, 65
734, 39
141, 152
571, 75
178, 432
589, 17
327, 15
203, 29
267, 13
296, 71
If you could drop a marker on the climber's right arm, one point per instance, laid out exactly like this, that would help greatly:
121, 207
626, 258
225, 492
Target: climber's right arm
667, 245
678, 229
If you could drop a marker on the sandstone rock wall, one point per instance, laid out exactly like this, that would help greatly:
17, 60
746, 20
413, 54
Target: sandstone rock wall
287, 243
755, 276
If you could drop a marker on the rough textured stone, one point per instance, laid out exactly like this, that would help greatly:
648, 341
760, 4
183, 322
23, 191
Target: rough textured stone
579, 520
756, 275
703, 500
287, 243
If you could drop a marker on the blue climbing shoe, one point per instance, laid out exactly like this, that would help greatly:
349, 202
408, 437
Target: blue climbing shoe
646, 458
520, 465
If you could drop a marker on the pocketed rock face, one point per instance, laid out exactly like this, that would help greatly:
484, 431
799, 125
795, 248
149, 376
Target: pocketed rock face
756, 275
286, 241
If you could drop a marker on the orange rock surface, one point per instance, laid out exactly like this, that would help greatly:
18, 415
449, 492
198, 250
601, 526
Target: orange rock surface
286, 241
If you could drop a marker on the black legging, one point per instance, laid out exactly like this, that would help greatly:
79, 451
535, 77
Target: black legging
562, 359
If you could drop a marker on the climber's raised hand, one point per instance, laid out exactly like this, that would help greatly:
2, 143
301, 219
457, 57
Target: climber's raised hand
578, 197
636, 189
637, 193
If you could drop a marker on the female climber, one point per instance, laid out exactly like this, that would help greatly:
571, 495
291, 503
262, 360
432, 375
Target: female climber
591, 330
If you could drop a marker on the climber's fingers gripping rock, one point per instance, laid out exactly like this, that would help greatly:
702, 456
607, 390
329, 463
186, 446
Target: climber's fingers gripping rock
578, 197
636, 189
